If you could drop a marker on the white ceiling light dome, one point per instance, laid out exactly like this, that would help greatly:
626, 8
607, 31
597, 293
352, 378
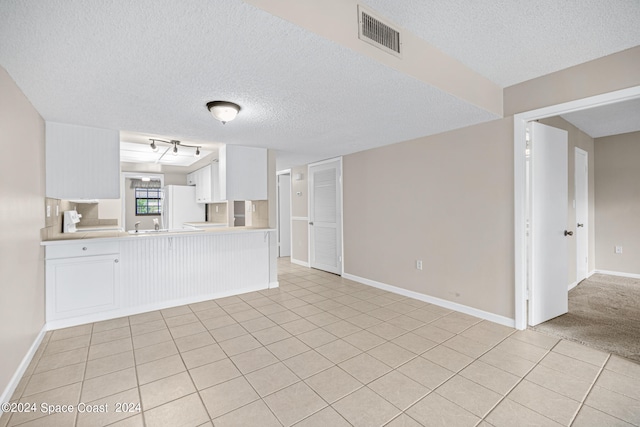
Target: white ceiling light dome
223, 110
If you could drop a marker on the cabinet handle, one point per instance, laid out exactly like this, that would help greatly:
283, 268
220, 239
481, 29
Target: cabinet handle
84, 249
116, 260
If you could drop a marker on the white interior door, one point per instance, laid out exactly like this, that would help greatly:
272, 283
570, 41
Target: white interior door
325, 216
548, 255
284, 215
582, 213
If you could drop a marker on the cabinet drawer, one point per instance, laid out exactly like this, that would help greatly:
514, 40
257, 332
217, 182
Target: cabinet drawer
87, 248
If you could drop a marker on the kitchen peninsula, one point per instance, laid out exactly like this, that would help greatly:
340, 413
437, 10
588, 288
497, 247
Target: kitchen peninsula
103, 275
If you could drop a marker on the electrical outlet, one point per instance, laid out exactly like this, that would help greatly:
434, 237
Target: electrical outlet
48, 211
253, 207
216, 209
618, 249
419, 264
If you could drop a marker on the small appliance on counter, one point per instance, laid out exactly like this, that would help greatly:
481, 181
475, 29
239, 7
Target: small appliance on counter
70, 219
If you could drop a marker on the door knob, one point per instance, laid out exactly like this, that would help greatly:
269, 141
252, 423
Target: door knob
580, 225
568, 233
310, 222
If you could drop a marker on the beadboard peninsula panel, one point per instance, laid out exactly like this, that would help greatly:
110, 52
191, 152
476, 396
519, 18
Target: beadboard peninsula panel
176, 268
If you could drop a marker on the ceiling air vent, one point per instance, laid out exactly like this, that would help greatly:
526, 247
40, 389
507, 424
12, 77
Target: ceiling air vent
378, 32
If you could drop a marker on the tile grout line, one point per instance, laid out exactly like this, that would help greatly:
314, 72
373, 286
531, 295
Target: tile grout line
84, 374
593, 383
135, 368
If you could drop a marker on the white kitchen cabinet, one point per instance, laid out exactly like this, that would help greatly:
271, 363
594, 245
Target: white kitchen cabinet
239, 174
191, 178
82, 162
242, 173
203, 185
82, 279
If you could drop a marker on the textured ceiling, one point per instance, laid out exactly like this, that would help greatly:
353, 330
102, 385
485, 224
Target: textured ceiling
150, 66
511, 41
612, 119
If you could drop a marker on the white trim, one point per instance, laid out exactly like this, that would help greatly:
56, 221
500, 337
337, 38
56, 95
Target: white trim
130, 311
341, 225
574, 284
301, 263
576, 152
123, 189
299, 218
519, 124
496, 318
22, 367
618, 273
273, 285
284, 172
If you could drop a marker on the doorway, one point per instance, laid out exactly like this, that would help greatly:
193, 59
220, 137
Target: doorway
325, 215
581, 173
284, 214
521, 261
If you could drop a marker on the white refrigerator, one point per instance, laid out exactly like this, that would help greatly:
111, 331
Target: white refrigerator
180, 206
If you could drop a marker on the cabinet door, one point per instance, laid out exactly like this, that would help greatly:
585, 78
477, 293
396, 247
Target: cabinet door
206, 184
82, 162
82, 285
191, 180
243, 173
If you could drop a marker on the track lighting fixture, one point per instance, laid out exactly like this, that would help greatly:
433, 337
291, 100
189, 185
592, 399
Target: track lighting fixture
175, 144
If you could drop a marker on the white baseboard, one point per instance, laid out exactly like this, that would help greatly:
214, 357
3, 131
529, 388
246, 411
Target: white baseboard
618, 273
574, 284
297, 262
130, 311
22, 368
496, 318
273, 285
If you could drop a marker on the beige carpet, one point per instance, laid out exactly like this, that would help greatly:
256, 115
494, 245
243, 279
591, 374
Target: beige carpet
604, 313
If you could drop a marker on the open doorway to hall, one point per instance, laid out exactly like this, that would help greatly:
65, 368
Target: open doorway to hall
604, 274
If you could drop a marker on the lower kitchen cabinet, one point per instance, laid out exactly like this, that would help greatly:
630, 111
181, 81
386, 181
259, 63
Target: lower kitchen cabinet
82, 285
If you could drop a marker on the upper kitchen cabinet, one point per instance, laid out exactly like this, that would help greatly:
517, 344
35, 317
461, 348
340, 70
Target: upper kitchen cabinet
242, 173
82, 162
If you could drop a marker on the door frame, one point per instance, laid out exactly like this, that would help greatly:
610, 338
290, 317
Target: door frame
341, 188
580, 152
520, 183
278, 174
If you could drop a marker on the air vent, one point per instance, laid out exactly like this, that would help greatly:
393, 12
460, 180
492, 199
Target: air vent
378, 32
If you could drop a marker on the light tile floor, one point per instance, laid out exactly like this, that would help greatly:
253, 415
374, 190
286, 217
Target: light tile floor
321, 351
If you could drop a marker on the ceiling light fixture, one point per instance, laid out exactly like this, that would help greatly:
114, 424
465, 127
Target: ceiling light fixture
223, 110
175, 144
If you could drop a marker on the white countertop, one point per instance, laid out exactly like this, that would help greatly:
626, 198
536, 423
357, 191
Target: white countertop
70, 238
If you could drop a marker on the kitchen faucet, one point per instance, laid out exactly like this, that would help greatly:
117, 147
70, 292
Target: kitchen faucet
136, 225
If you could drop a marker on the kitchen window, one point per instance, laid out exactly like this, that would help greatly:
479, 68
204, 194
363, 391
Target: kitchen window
148, 201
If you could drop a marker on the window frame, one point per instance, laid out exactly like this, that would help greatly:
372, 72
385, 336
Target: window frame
147, 199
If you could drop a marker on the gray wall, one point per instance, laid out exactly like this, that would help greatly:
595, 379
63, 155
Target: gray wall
617, 188
446, 200
21, 220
